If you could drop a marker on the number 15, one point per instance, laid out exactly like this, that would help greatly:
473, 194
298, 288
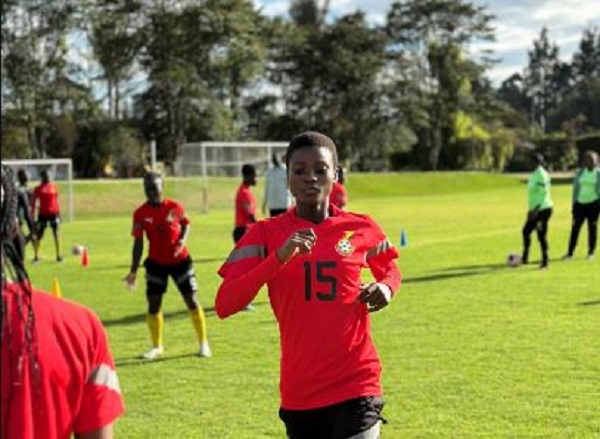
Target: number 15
322, 277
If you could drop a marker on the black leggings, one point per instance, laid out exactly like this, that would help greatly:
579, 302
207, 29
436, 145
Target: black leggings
539, 223
581, 213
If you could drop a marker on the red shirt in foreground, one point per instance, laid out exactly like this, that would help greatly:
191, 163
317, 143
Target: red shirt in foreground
75, 389
47, 196
327, 354
245, 206
162, 225
338, 196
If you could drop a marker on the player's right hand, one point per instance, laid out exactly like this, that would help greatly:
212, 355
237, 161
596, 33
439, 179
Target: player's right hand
130, 281
300, 242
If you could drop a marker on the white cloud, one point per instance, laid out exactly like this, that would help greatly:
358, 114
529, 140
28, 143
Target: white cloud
518, 23
572, 12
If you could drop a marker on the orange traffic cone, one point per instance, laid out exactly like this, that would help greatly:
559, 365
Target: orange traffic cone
85, 261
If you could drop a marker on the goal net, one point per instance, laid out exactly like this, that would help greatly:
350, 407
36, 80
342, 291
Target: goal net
210, 160
61, 171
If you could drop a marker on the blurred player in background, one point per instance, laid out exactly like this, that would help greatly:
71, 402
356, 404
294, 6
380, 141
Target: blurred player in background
586, 203
45, 199
245, 203
58, 375
24, 213
311, 259
339, 196
277, 196
539, 209
166, 226
245, 208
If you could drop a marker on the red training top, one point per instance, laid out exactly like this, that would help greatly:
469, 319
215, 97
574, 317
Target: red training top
162, 225
327, 355
47, 194
75, 387
338, 196
245, 206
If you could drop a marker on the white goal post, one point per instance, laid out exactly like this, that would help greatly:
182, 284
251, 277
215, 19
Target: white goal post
214, 159
60, 170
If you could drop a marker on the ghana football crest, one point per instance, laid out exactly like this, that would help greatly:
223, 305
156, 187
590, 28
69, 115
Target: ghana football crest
344, 247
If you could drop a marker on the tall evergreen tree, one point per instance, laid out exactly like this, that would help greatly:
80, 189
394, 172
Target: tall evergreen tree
433, 35
539, 78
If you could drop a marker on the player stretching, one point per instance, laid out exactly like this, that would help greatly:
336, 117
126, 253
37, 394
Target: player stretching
166, 226
311, 259
46, 196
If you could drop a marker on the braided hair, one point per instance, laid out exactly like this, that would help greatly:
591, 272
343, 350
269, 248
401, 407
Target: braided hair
13, 270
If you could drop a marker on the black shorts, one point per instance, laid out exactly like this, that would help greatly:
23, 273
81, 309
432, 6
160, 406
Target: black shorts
183, 274
238, 232
275, 212
337, 421
43, 220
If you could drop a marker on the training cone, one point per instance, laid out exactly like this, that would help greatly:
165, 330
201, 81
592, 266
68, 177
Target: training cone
85, 260
403, 239
56, 288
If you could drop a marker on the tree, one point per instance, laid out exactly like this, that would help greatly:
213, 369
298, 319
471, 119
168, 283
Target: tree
35, 66
539, 78
433, 34
115, 39
586, 61
330, 81
200, 57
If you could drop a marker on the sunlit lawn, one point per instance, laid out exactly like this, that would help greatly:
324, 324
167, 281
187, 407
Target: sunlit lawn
471, 348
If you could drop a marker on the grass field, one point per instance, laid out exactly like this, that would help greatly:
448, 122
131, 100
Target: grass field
470, 347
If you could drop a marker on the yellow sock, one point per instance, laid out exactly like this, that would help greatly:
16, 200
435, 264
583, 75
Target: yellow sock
155, 326
199, 322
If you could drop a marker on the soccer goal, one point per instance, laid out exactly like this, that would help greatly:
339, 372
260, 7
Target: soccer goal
61, 171
225, 159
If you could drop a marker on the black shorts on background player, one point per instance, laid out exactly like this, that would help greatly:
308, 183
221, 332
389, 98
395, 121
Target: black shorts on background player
157, 276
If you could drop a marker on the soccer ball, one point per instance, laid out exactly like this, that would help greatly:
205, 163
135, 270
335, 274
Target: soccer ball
77, 250
513, 260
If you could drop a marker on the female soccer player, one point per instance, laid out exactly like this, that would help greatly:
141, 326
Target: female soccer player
166, 226
245, 203
586, 203
24, 195
46, 195
539, 210
58, 376
311, 259
339, 196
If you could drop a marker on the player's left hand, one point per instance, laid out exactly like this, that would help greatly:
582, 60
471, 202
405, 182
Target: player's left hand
179, 247
375, 295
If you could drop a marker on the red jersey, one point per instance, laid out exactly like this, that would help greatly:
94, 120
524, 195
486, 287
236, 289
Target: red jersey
75, 387
47, 195
327, 354
245, 206
338, 196
162, 225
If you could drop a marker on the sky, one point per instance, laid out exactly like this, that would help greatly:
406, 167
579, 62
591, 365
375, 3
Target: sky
518, 23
